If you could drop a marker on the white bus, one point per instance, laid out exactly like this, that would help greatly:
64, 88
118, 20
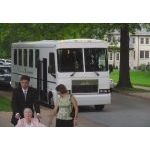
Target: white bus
80, 64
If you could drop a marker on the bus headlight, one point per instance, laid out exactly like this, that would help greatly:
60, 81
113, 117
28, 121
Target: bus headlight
104, 91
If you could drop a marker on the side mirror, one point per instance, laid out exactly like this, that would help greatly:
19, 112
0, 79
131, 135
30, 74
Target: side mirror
54, 75
51, 70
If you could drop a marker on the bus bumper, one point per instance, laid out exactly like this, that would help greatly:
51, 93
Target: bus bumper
86, 100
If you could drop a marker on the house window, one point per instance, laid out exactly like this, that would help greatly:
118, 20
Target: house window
31, 58
117, 56
110, 56
133, 40
141, 54
142, 41
146, 54
15, 57
147, 40
20, 57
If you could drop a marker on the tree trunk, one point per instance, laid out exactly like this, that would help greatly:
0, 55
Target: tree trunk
124, 75
114, 52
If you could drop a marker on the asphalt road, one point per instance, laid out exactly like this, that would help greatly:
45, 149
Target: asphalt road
125, 111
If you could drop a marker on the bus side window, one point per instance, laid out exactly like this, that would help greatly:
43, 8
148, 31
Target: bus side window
31, 58
20, 57
15, 56
51, 67
25, 57
37, 54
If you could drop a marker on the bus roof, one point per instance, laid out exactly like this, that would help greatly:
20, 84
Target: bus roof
53, 43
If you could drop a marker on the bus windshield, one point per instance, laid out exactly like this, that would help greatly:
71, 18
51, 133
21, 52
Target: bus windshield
70, 60
95, 59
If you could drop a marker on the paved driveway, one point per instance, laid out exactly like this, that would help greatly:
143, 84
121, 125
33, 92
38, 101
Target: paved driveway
125, 111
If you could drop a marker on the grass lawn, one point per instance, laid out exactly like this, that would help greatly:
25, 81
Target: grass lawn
5, 104
140, 78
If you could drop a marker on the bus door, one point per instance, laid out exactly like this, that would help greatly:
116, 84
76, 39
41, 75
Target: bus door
52, 77
42, 80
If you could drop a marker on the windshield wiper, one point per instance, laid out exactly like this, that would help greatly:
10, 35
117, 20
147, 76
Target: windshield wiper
72, 74
97, 73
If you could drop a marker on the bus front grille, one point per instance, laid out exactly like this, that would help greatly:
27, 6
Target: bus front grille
84, 86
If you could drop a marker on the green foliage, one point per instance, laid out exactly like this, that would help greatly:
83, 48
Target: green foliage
10, 33
4, 54
137, 77
5, 104
15, 32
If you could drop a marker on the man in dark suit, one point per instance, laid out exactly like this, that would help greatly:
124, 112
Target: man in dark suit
24, 97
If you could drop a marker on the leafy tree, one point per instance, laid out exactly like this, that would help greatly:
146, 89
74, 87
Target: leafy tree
10, 33
124, 29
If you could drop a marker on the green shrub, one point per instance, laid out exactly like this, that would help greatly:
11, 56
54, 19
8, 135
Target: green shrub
5, 104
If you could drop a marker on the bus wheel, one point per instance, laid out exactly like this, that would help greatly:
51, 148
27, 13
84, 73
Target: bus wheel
99, 107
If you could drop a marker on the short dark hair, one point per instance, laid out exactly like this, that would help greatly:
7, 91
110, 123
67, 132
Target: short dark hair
61, 88
24, 77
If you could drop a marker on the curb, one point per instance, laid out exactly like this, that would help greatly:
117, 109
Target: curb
132, 95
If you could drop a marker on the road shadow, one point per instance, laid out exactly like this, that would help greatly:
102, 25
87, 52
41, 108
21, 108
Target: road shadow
83, 109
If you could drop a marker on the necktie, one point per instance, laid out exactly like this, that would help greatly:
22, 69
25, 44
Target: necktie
25, 94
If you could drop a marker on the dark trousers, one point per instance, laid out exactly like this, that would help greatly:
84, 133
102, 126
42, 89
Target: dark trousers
64, 123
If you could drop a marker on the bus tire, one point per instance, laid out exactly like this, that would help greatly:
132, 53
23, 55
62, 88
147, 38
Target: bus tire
99, 107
